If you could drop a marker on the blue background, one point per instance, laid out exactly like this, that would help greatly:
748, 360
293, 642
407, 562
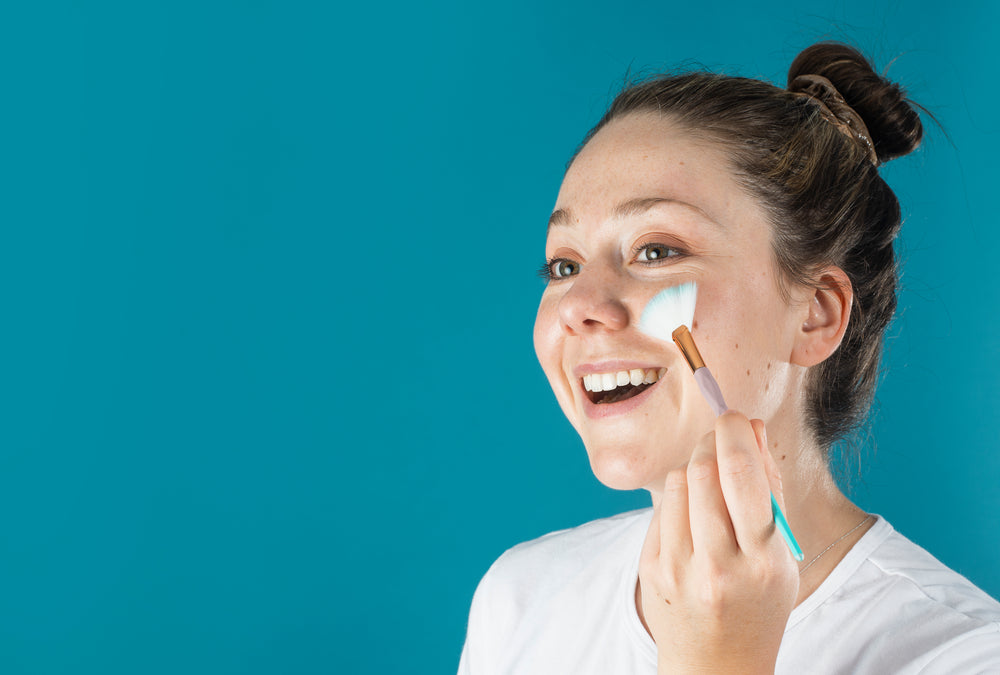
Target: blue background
270, 402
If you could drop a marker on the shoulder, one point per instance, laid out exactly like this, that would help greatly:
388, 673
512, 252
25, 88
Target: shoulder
904, 611
899, 562
559, 553
535, 590
589, 536
533, 571
521, 591
950, 624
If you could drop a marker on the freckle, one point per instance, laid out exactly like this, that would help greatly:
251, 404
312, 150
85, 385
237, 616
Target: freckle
694, 325
769, 366
748, 373
737, 345
783, 457
767, 386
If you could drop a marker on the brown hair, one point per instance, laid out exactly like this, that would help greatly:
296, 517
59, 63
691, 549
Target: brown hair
825, 198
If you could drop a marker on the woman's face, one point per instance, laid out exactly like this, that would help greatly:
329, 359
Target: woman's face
645, 206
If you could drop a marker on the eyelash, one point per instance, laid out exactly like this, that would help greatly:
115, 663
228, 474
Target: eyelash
545, 271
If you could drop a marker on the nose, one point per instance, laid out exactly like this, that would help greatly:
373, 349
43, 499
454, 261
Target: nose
591, 305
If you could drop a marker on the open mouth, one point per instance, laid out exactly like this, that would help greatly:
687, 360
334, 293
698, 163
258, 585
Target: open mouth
621, 385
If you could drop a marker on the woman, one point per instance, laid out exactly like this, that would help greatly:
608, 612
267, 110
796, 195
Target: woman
770, 200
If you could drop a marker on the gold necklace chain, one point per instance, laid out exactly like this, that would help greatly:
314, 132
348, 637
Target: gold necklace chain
842, 538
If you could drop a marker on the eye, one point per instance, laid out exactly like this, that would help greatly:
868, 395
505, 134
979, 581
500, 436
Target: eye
559, 268
651, 253
564, 268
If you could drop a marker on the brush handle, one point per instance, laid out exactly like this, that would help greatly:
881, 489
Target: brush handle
713, 394
710, 390
785, 530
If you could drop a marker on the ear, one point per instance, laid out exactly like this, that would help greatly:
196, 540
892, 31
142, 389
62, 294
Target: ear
826, 313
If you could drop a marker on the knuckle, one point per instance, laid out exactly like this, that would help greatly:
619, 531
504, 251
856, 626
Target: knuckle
661, 573
714, 590
702, 468
706, 443
676, 480
760, 574
739, 465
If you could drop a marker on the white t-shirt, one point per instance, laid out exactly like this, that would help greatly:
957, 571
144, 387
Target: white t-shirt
565, 603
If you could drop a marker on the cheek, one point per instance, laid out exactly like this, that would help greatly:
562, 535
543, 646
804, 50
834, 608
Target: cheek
547, 335
741, 334
549, 340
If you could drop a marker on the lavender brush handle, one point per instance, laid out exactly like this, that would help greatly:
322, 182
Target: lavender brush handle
710, 389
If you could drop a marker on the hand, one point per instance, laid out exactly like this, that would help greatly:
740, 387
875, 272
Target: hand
716, 578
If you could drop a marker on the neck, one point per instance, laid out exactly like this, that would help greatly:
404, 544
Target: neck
819, 515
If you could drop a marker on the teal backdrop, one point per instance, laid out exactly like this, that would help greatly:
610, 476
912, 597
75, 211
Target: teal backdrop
269, 397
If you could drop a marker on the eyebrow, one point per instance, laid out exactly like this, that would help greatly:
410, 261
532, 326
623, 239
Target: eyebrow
626, 209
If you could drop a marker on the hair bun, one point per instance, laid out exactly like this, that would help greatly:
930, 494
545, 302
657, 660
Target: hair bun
892, 121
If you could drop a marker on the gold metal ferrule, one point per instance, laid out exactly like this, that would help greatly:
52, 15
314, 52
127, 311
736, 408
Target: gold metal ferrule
682, 336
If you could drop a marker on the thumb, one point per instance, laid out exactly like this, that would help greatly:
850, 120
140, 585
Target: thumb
649, 558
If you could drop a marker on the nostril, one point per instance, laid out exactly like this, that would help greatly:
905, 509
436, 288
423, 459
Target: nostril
609, 313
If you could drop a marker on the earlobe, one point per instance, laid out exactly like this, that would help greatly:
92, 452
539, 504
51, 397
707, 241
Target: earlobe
827, 313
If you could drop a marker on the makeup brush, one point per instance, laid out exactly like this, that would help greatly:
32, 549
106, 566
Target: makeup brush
666, 317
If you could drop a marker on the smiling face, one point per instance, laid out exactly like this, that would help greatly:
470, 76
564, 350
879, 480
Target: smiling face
645, 206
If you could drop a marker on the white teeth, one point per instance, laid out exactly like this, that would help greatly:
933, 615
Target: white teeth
592, 383
597, 382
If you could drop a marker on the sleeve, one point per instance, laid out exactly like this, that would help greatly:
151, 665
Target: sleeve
972, 653
476, 658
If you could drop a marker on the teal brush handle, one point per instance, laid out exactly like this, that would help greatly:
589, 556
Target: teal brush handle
786, 532
710, 390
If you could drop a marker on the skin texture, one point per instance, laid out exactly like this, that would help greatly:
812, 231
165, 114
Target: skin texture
646, 205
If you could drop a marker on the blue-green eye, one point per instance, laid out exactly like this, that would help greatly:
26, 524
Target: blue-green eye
559, 268
654, 252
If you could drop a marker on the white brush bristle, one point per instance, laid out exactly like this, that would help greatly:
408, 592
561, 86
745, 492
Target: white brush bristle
670, 308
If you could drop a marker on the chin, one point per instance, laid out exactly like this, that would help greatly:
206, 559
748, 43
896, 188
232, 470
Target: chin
624, 468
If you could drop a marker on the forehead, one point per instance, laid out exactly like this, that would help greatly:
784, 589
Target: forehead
646, 156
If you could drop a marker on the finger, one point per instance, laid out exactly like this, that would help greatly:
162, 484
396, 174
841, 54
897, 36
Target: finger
675, 523
744, 480
711, 528
650, 556
770, 466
